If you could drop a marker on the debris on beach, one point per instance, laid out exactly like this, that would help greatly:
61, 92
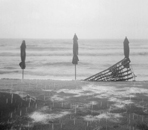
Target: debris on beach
117, 72
121, 71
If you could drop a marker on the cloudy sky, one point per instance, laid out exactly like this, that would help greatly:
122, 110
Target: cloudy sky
63, 18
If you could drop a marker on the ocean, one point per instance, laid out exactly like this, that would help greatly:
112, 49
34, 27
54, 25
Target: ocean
52, 58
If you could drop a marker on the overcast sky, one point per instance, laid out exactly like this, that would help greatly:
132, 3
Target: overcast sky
63, 18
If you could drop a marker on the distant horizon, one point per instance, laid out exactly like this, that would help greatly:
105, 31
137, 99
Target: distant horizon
78, 38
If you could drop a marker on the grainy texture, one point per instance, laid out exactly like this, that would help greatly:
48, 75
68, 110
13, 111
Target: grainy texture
73, 105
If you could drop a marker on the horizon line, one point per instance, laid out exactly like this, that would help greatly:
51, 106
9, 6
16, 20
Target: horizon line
78, 38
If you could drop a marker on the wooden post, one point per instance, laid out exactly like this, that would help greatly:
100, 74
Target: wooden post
75, 71
22, 74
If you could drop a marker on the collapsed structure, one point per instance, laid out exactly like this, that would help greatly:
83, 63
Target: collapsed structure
120, 71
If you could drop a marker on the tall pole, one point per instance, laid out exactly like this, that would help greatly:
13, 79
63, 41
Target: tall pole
22, 74
75, 71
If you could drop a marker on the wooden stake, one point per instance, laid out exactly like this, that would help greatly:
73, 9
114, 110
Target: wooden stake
53, 103
75, 110
101, 103
11, 98
61, 125
87, 123
36, 105
133, 116
6, 101
29, 104
129, 118
20, 113
28, 125
11, 115
106, 123
74, 121
52, 126
70, 117
92, 106
142, 118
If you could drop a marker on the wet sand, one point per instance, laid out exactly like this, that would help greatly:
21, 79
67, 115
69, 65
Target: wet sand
73, 105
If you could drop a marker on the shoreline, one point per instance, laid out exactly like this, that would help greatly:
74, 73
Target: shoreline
67, 79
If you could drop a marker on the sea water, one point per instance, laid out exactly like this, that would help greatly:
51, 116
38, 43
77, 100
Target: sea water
52, 58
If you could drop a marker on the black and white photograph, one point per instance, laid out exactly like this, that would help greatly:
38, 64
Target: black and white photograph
73, 64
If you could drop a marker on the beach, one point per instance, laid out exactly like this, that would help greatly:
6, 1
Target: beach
49, 98
73, 105
73, 65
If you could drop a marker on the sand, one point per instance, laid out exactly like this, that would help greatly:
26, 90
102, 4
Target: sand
73, 105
